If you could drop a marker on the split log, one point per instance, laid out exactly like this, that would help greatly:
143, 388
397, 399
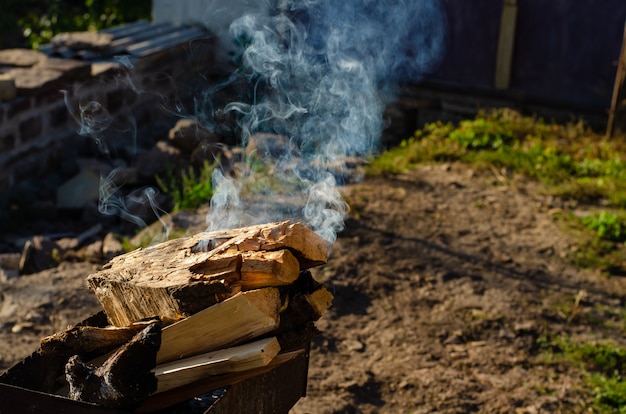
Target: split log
178, 278
124, 379
235, 359
308, 300
309, 248
236, 320
161, 400
266, 269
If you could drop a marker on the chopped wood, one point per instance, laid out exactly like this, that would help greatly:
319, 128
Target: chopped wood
265, 269
235, 359
177, 278
238, 319
174, 396
163, 283
124, 379
308, 300
308, 247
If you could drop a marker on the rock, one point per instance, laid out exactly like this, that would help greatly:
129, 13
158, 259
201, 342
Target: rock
31, 81
21, 57
92, 252
71, 69
111, 247
9, 261
157, 160
78, 191
82, 40
39, 253
188, 133
266, 145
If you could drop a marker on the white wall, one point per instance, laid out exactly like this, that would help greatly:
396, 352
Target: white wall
216, 15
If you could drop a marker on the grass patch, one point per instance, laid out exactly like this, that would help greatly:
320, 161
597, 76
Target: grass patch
570, 161
603, 365
189, 189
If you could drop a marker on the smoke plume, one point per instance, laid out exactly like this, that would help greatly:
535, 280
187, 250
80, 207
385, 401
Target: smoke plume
318, 74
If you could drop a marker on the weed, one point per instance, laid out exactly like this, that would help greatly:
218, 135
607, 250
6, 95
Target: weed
190, 189
607, 225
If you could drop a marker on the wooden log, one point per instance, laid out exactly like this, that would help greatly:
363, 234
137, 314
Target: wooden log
234, 359
266, 269
165, 284
236, 320
159, 401
124, 379
307, 302
308, 247
179, 277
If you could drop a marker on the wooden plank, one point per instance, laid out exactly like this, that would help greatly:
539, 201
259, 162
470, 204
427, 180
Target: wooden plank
245, 357
617, 114
157, 44
284, 378
506, 43
236, 320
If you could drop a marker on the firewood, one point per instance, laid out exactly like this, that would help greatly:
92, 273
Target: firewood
235, 359
236, 320
183, 276
124, 379
163, 284
161, 400
265, 269
309, 248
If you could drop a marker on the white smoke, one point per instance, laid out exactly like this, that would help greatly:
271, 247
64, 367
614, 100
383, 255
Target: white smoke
319, 73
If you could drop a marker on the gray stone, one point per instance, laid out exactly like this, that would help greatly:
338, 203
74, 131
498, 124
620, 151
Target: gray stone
158, 160
188, 133
111, 247
30, 81
79, 190
82, 40
39, 253
21, 57
71, 70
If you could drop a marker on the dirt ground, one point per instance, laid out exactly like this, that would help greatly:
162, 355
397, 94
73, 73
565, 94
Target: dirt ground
443, 282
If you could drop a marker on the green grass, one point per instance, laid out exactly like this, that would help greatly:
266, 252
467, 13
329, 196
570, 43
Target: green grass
602, 364
189, 189
569, 161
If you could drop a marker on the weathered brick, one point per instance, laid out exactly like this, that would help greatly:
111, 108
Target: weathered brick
49, 96
32, 81
58, 116
17, 106
31, 128
71, 70
7, 142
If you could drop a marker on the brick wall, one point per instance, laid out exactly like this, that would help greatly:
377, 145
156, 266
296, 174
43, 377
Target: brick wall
56, 110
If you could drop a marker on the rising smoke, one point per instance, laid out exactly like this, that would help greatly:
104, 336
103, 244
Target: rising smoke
320, 73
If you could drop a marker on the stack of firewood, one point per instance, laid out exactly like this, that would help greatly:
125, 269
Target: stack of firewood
214, 307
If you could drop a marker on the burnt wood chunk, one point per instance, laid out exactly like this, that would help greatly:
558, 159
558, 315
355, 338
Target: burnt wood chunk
124, 379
